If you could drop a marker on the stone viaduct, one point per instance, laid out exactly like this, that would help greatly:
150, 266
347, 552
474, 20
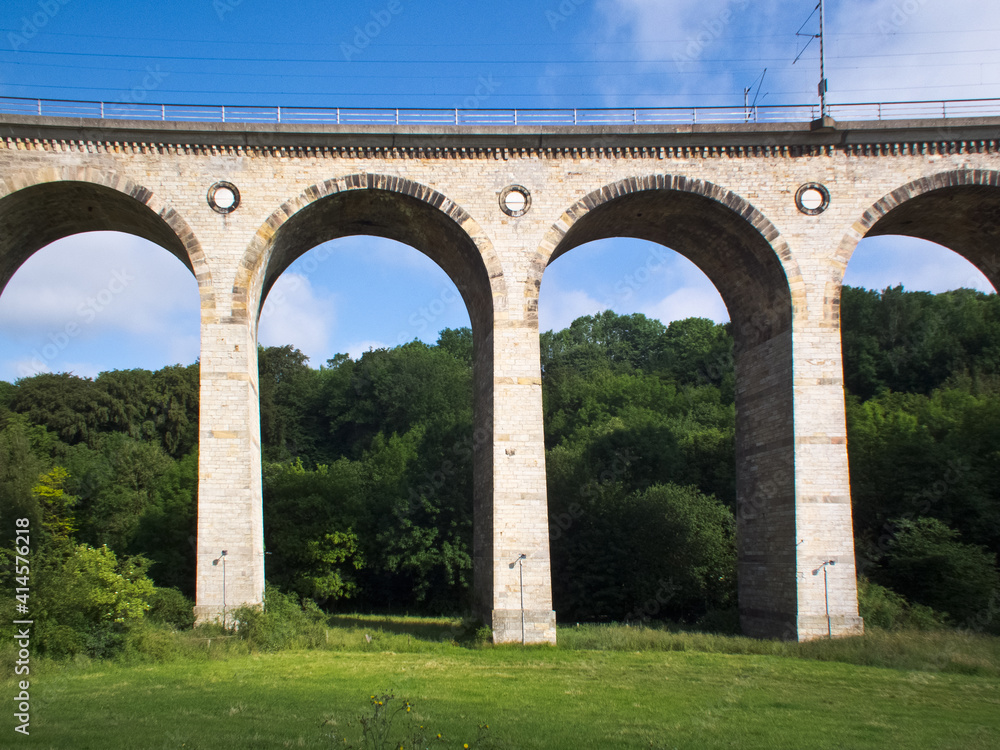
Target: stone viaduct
771, 213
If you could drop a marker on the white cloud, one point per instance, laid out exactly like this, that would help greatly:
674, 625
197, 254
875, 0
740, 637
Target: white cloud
358, 348
686, 50
701, 301
914, 49
294, 313
99, 281
557, 308
918, 265
379, 251
82, 369
876, 50
95, 301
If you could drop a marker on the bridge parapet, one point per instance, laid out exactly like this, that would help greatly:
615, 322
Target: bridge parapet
615, 116
408, 142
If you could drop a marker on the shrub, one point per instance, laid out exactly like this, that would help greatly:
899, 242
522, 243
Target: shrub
171, 607
664, 552
87, 600
884, 608
927, 563
152, 642
281, 623
473, 632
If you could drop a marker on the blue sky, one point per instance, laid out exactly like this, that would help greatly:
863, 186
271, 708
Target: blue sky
68, 308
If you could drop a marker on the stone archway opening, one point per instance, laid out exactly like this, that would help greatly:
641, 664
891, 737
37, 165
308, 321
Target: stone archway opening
889, 260
637, 373
99, 316
920, 228
383, 398
37, 215
745, 259
918, 327
369, 292
626, 275
963, 218
99, 301
958, 210
407, 213
393, 215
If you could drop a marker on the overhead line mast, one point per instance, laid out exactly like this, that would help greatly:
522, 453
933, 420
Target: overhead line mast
821, 89
822, 62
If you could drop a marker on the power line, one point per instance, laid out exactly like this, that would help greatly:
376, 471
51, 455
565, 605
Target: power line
452, 96
383, 61
478, 45
750, 67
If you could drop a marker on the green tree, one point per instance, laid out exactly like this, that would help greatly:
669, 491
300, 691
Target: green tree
667, 551
330, 562
122, 486
307, 527
914, 455
166, 532
602, 341
71, 407
697, 351
419, 522
176, 390
392, 391
916, 341
926, 563
289, 408
56, 505
87, 600
458, 343
20, 466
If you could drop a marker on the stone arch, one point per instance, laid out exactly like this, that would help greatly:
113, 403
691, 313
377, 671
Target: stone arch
959, 209
744, 255
755, 272
41, 207
380, 205
409, 212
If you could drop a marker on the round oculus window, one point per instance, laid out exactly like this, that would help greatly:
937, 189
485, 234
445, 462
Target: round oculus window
812, 198
515, 200
223, 197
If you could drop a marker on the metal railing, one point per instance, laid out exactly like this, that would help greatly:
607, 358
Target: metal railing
509, 117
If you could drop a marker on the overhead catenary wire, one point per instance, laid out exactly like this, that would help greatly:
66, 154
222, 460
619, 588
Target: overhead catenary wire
238, 72
479, 45
478, 60
507, 76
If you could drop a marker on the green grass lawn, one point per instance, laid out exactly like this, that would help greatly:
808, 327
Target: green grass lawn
579, 695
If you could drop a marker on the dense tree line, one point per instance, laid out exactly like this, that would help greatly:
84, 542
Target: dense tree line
923, 420
368, 467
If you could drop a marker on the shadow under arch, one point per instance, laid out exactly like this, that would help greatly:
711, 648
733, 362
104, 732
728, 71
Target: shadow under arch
732, 242
40, 211
959, 209
749, 263
382, 206
411, 213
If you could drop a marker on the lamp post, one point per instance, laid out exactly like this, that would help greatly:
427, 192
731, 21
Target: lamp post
826, 595
520, 572
222, 557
